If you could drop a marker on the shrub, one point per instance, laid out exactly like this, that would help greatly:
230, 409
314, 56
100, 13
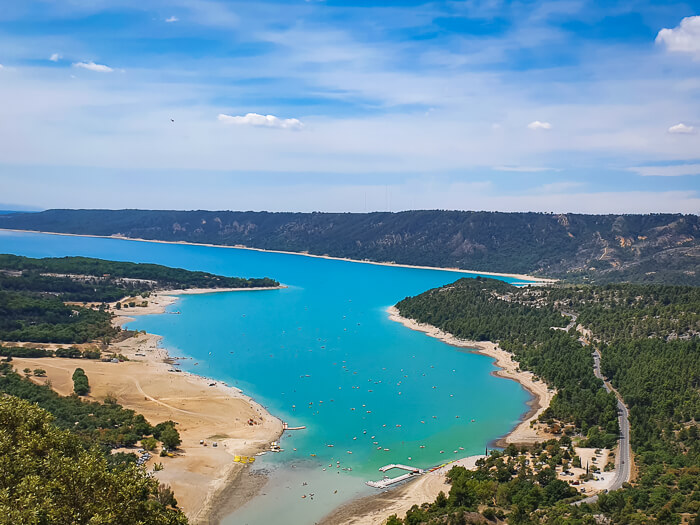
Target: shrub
80, 382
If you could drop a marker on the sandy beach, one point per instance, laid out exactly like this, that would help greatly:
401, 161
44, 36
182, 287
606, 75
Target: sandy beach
158, 301
375, 509
527, 432
207, 482
520, 276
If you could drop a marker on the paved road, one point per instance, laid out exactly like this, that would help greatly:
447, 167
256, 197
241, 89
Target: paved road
623, 460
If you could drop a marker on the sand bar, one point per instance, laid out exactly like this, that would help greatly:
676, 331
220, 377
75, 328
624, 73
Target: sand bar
520, 276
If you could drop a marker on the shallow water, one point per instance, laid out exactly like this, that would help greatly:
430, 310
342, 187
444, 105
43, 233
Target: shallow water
320, 353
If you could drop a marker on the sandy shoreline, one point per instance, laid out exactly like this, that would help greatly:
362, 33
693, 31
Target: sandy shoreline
159, 300
206, 481
524, 433
524, 277
375, 509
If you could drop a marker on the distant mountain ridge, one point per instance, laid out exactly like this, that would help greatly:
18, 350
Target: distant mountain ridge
592, 248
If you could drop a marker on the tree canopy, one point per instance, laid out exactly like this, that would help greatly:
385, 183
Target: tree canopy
49, 477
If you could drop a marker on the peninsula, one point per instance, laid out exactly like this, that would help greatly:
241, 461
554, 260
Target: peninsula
63, 315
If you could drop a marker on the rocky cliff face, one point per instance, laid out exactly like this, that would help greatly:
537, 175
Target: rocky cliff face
595, 248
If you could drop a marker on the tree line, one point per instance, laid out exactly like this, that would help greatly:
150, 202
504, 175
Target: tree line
648, 336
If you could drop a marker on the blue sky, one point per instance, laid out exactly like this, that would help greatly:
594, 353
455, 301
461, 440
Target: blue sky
565, 106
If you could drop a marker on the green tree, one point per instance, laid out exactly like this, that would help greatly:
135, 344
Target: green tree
149, 443
170, 437
80, 382
51, 478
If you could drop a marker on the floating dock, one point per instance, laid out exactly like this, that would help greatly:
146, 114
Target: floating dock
387, 482
402, 467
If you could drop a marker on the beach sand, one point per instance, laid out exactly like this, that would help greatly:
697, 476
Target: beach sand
376, 509
201, 477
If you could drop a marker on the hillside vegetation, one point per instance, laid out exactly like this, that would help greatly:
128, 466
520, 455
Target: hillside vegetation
662, 248
34, 293
648, 336
57, 476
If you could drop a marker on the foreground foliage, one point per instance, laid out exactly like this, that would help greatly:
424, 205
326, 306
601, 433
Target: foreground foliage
48, 476
108, 424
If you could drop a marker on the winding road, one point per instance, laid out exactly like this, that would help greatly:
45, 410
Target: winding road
623, 460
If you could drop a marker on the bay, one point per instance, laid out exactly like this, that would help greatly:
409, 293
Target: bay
321, 353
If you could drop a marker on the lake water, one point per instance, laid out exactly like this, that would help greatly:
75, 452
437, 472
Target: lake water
320, 353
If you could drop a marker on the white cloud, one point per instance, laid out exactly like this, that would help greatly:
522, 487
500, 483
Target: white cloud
172, 19
267, 121
55, 57
682, 129
682, 39
667, 171
539, 125
100, 68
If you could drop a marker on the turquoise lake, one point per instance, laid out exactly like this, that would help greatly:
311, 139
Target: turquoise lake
321, 353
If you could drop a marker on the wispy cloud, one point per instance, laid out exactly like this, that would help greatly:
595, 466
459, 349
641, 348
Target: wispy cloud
91, 66
681, 129
523, 169
55, 57
266, 121
172, 19
685, 38
667, 171
537, 125
559, 187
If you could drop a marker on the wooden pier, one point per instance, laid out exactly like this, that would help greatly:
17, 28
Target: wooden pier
287, 427
387, 481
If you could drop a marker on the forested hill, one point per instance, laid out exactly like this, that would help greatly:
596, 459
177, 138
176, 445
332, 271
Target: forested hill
34, 293
586, 248
649, 339
126, 276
